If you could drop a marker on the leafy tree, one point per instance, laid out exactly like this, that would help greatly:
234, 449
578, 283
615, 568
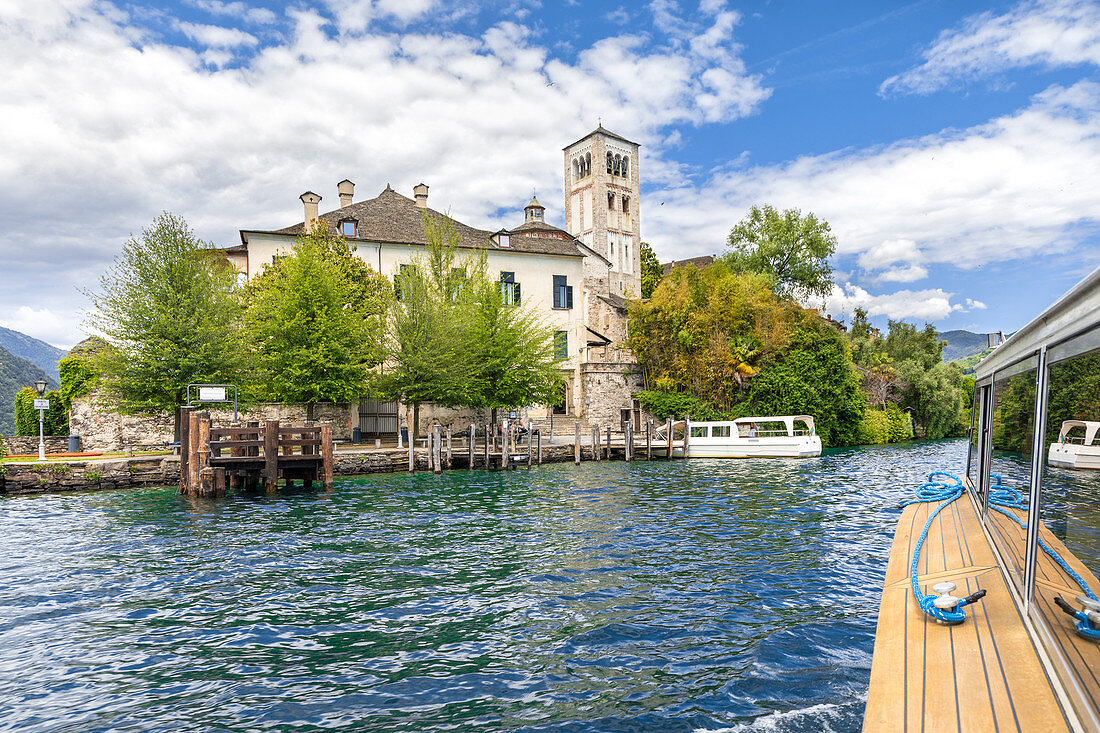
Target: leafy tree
880, 379
935, 396
314, 322
168, 308
55, 421
789, 248
515, 362
652, 272
904, 342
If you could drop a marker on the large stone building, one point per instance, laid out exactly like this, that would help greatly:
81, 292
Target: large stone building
578, 279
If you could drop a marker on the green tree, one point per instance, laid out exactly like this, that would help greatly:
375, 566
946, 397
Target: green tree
515, 363
652, 272
167, 307
789, 248
55, 421
314, 323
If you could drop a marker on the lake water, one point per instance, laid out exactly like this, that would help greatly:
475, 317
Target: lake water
685, 596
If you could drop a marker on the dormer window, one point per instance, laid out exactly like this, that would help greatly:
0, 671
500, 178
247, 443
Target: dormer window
501, 239
347, 228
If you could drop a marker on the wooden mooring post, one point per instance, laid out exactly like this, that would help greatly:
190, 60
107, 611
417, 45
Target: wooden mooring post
596, 443
577, 443
628, 434
473, 435
505, 439
450, 456
608, 446
437, 449
668, 456
649, 440
412, 453
540, 446
488, 431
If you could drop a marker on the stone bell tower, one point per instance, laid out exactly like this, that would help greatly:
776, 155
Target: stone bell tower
602, 204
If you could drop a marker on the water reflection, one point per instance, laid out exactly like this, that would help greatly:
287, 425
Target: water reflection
642, 597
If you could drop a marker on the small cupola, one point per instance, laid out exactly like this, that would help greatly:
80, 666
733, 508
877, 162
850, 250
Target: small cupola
533, 211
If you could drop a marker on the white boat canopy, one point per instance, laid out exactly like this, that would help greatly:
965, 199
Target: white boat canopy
1091, 428
788, 420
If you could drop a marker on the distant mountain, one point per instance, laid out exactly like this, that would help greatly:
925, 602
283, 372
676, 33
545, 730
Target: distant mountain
961, 344
42, 355
15, 374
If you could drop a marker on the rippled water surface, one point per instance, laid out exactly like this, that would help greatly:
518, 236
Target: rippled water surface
696, 595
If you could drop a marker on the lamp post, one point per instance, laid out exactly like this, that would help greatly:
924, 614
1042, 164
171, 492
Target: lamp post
40, 388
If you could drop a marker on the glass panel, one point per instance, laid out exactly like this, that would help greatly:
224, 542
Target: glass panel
698, 431
973, 461
720, 431
1013, 434
1070, 509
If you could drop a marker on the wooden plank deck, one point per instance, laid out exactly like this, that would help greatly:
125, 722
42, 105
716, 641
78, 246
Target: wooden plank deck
983, 674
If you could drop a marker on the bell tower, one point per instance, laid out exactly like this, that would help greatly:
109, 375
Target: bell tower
602, 204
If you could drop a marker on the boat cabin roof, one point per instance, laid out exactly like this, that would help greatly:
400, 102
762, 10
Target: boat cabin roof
1075, 312
1091, 428
787, 420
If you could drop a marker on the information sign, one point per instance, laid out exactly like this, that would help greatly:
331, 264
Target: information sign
41, 404
212, 394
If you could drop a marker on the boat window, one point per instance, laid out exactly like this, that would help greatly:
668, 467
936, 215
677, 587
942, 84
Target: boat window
698, 431
720, 431
1012, 435
1070, 506
973, 458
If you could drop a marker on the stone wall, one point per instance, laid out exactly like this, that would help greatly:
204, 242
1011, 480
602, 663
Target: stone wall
608, 389
101, 429
27, 445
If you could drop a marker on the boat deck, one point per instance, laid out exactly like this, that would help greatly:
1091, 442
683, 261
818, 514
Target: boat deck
983, 674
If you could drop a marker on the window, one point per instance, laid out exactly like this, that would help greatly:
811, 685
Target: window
275, 259
347, 228
610, 163
503, 241
698, 431
626, 204
561, 344
720, 431
626, 165
563, 292
509, 288
403, 272
611, 201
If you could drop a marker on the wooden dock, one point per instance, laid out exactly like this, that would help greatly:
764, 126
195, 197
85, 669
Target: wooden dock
981, 675
213, 460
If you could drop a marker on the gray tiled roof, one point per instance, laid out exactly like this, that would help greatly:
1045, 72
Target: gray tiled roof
391, 217
698, 262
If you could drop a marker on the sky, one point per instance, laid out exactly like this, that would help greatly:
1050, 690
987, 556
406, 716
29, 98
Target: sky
953, 146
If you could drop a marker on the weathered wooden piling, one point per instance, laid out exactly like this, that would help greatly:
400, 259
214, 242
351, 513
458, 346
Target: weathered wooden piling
473, 435
577, 443
687, 435
540, 446
596, 443
668, 456
412, 453
629, 436
649, 440
608, 446
450, 455
437, 449
488, 431
505, 458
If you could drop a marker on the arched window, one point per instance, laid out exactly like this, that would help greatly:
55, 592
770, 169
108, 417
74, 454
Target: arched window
618, 165
610, 163
611, 202
626, 166
626, 204
576, 170
588, 164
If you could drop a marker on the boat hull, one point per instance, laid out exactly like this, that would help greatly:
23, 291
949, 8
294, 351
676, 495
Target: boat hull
1074, 455
802, 447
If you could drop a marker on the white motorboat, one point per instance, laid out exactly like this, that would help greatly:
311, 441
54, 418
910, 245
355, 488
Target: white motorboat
1076, 451
750, 437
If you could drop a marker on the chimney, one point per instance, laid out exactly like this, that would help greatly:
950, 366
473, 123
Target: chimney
346, 189
310, 201
420, 192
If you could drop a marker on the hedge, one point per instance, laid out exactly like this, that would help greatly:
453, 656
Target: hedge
26, 417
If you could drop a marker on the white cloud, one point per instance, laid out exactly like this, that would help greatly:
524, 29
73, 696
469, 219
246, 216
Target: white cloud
906, 274
110, 125
975, 305
214, 36
924, 305
356, 15
999, 191
42, 324
1048, 33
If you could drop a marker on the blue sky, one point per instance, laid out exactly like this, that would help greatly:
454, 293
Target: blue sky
953, 146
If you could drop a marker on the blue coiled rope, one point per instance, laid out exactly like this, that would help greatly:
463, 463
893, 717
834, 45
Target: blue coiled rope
935, 489
1002, 498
